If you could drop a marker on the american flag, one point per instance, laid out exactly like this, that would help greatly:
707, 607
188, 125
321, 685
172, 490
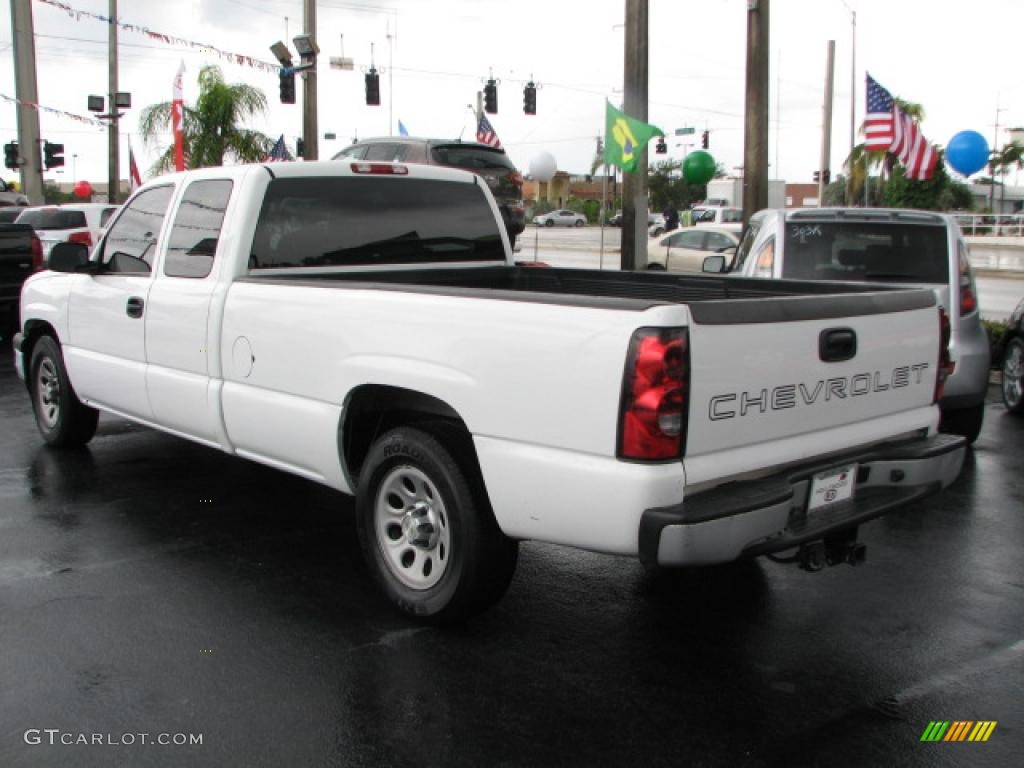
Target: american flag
889, 128
279, 152
878, 127
485, 133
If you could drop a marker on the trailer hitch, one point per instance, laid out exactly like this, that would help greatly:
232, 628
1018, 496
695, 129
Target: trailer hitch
836, 549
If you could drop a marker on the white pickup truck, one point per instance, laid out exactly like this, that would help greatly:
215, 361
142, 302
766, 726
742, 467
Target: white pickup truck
363, 325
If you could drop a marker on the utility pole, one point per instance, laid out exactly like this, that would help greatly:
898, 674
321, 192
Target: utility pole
634, 104
826, 123
755, 124
23, 35
311, 149
113, 170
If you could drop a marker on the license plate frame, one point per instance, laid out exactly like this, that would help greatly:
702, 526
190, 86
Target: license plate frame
832, 487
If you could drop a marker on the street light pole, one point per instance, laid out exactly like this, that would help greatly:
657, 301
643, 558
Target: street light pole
113, 170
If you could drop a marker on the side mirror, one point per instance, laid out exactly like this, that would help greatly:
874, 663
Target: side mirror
68, 257
714, 264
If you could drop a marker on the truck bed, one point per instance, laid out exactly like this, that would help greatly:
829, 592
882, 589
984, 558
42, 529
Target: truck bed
712, 300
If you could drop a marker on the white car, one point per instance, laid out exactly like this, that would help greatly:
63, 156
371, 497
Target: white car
75, 222
716, 215
684, 250
563, 218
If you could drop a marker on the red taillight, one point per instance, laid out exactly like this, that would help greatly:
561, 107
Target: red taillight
85, 238
968, 293
38, 264
380, 168
946, 364
653, 406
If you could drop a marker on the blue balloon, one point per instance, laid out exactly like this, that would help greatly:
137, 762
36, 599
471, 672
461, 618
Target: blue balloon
967, 152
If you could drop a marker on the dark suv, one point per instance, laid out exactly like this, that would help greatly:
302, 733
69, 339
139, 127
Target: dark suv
492, 165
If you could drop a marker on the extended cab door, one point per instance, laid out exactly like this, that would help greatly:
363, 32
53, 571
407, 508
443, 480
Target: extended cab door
180, 344
106, 353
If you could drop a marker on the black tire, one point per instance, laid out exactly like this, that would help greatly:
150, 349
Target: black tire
1013, 376
579, 223
63, 420
655, 267
963, 421
549, 223
421, 500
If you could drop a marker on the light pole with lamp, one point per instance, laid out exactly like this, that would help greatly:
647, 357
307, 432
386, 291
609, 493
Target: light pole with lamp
121, 100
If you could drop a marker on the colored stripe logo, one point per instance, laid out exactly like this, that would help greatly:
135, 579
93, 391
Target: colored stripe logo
958, 730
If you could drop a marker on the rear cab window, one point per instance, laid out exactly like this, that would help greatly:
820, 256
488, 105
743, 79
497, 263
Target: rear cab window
53, 219
364, 221
866, 251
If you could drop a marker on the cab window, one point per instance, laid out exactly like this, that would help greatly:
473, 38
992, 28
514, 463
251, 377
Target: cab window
130, 245
192, 244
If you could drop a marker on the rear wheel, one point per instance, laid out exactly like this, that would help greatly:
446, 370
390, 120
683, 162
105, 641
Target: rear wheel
579, 222
425, 526
549, 223
963, 421
63, 420
655, 267
1013, 376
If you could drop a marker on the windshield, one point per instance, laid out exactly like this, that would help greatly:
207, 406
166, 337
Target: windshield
866, 250
55, 219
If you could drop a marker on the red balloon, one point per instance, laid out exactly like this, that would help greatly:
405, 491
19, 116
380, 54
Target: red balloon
83, 189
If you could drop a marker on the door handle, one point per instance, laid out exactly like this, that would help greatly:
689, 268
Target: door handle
134, 306
837, 344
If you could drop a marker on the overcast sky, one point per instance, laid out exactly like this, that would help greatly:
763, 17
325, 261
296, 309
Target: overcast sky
950, 58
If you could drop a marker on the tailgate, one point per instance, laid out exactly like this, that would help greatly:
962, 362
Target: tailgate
781, 380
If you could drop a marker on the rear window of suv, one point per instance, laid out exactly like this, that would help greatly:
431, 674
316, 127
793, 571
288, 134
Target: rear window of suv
470, 158
367, 221
53, 219
866, 251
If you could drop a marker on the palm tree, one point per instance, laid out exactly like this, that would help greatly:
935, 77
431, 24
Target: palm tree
211, 130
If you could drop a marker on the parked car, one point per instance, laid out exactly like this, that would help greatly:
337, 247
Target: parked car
21, 255
10, 197
489, 163
74, 222
684, 250
1011, 352
8, 213
884, 245
561, 218
704, 214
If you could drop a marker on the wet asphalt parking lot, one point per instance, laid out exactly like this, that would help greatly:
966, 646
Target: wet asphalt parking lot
151, 586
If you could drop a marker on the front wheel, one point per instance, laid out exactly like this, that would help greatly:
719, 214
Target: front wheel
63, 420
1013, 376
579, 222
655, 267
426, 529
549, 223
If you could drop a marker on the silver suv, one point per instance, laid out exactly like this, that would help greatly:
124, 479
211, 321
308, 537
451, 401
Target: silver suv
883, 245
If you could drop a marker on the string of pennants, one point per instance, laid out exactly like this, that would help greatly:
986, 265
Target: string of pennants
52, 111
234, 58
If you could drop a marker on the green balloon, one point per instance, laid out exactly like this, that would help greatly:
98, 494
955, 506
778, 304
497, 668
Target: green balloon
699, 167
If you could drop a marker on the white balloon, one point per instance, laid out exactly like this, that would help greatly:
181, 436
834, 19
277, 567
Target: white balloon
543, 166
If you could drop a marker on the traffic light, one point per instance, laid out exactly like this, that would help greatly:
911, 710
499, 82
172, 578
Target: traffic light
11, 155
373, 88
530, 98
661, 147
828, 176
491, 97
817, 176
287, 86
53, 155
300, 148
705, 139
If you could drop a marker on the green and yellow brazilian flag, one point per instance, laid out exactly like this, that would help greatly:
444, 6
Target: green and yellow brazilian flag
625, 138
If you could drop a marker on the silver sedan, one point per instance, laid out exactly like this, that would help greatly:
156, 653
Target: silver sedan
563, 218
684, 250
